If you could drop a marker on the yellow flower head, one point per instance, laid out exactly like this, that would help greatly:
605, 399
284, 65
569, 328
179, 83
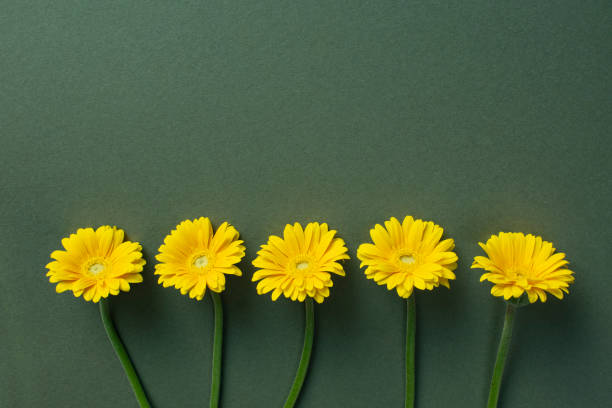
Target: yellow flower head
519, 263
96, 264
193, 257
408, 255
301, 263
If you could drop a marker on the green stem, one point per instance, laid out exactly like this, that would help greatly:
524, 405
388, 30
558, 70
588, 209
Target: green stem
115, 340
305, 359
502, 353
410, 334
215, 387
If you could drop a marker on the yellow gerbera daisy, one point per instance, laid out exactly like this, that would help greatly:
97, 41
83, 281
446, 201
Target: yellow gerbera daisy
301, 263
519, 263
96, 264
193, 257
408, 255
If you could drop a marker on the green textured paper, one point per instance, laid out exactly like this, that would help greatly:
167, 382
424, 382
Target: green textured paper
478, 115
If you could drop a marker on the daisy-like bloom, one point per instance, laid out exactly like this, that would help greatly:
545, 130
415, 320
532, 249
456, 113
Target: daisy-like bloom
301, 263
408, 255
194, 258
96, 263
519, 263
300, 266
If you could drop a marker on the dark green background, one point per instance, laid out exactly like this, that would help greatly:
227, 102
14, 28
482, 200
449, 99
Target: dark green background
482, 117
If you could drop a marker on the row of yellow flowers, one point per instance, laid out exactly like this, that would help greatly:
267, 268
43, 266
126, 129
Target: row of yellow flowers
300, 264
403, 256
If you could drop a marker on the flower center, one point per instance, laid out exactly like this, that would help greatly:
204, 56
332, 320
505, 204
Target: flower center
407, 259
302, 265
96, 268
201, 261
518, 273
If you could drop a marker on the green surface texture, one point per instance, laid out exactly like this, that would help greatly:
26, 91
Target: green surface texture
482, 116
